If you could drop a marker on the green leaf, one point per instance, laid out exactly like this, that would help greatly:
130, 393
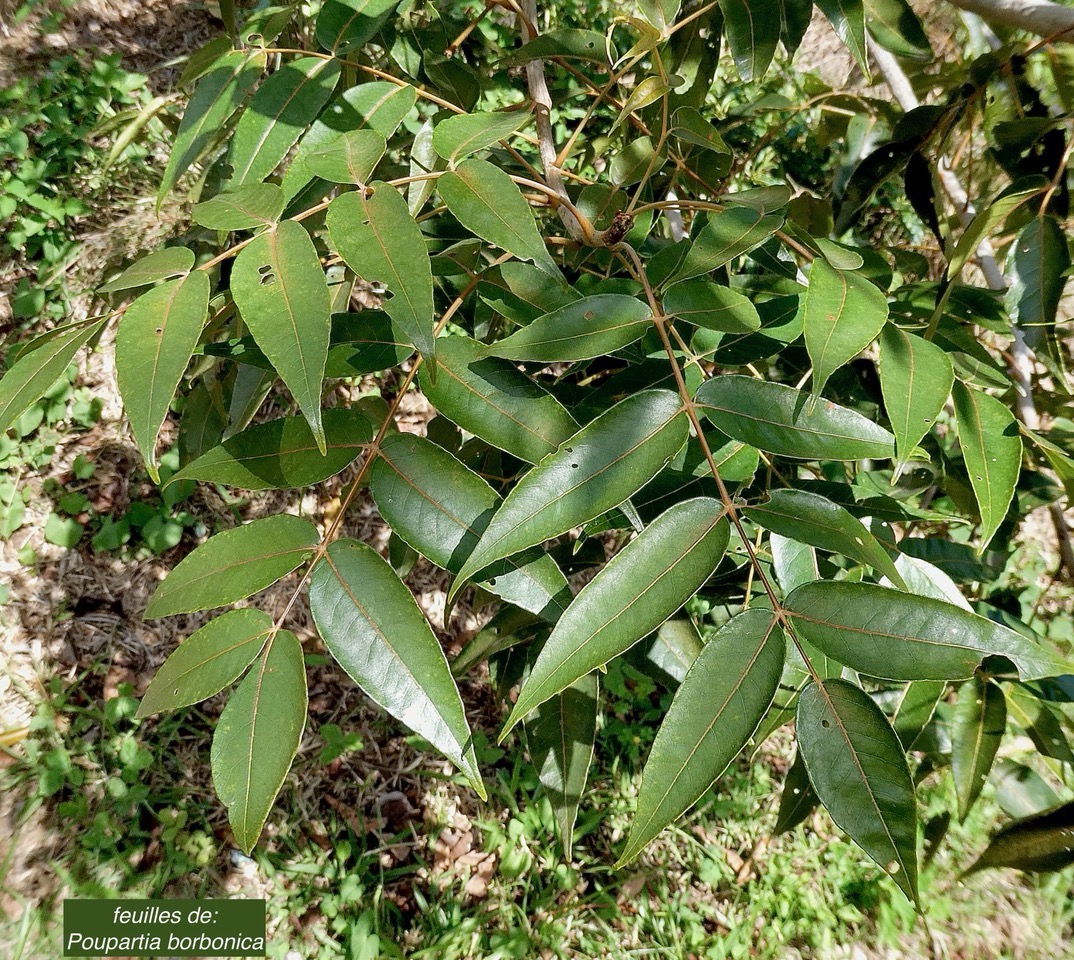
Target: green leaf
349, 158
990, 441
752, 29
784, 421
379, 106
899, 636
711, 306
63, 531
841, 314
258, 735
674, 648
282, 454
915, 378
217, 96
1037, 267
570, 44
161, 264
487, 203
586, 328
797, 801
154, 343
928, 580
991, 217
794, 563
913, 708
38, 368
1020, 790
372, 626
249, 207
281, 292
639, 588
351, 24
559, 738
441, 509
207, 661
815, 520
796, 15
848, 19
728, 234
284, 105
460, 135
1040, 844
597, 469
494, 400
715, 712
895, 26
379, 240
234, 564
1040, 723
859, 772
977, 728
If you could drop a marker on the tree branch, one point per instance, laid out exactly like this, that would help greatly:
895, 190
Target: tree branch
1021, 356
1042, 17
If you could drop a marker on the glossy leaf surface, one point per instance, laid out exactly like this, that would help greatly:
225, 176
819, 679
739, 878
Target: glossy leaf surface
249, 207
639, 588
898, 636
858, 771
154, 343
1040, 844
457, 137
595, 470
282, 454
372, 626
581, 330
977, 728
281, 292
714, 713
441, 509
727, 235
492, 399
781, 420
234, 564
916, 378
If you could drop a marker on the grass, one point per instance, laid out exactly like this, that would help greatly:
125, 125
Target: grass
119, 809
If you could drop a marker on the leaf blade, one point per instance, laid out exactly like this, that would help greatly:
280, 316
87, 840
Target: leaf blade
257, 737
639, 588
858, 771
382, 640
715, 712
234, 564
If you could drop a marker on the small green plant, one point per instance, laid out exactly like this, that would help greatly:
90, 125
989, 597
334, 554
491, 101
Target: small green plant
653, 362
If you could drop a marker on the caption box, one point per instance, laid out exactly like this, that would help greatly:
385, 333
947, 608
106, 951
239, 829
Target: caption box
173, 928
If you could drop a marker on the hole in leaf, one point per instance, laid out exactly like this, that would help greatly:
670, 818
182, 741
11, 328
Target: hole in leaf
825, 724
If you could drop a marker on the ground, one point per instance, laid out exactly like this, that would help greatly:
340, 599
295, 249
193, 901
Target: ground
381, 838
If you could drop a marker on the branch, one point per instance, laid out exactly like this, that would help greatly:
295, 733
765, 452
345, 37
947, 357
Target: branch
1042, 17
1022, 358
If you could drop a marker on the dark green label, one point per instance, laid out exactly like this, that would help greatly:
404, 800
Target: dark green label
171, 928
